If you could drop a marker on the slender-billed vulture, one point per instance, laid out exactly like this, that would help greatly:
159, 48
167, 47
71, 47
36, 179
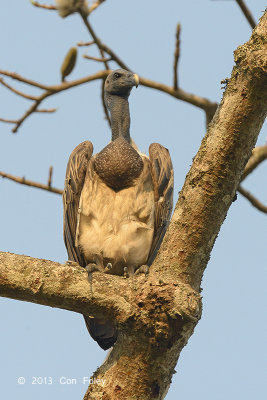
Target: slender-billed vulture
117, 203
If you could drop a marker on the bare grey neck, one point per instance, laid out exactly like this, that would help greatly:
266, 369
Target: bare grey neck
120, 116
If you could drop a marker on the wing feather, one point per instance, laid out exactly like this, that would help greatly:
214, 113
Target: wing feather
162, 175
74, 181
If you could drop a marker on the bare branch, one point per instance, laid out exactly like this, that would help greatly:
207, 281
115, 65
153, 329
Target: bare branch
9, 121
97, 58
80, 44
201, 102
176, 57
50, 90
47, 7
20, 78
31, 110
95, 5
180, 94
26, 96
253, 200
50, 173
46, 110
247, 13
24, 181
95, 38
115, 57
259, 154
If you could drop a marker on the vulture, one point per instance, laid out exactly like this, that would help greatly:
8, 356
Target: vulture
117, 203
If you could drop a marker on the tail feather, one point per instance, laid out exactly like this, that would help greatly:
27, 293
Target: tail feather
102, 331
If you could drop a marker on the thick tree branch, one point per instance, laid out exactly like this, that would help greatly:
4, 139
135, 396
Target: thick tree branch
62, 286
247, 13
213, 179
153, 317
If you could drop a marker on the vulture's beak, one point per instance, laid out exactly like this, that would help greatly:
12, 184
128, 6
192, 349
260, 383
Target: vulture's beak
136, 79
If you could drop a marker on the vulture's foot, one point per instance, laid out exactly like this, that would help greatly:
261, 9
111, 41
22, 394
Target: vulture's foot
72, 264
108, 268
144, 269
90, 268
125, 272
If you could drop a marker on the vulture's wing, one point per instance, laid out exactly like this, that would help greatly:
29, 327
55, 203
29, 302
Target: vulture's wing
162, 175
75, 176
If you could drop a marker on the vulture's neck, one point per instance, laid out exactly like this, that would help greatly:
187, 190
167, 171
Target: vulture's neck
120, 117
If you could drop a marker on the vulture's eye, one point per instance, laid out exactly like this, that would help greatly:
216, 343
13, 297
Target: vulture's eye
117, 75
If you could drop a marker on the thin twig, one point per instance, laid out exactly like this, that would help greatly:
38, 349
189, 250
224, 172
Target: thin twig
46, 6
95, 5
46, 110
95, 38
50, 173
19, 93
24, 181
247, 13
31, 110
176, 57
80, 44
9, 121
253, 200
259, 154
115, 57
50, 90
20, 78
97, 58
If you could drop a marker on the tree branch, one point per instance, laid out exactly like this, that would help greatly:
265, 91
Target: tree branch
98, 59
157, 315
259, 154
253, 200
176, 56
247, 13
62, 286
201, 102
45, 6
19, 93
26, 182
49, 91
95, 5
213, 179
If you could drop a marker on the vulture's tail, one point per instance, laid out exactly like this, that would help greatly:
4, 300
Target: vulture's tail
102, 331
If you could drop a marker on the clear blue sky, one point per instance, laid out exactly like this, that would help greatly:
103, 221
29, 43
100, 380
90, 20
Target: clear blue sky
224, 359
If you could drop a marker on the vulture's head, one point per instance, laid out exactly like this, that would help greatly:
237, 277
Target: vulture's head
120, 83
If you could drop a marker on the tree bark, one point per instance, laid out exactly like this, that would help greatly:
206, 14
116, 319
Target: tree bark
156, 316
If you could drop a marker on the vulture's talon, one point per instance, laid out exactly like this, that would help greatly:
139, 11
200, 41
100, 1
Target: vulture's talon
72, 263
108, 268
90, 268
126, 272
144, 269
